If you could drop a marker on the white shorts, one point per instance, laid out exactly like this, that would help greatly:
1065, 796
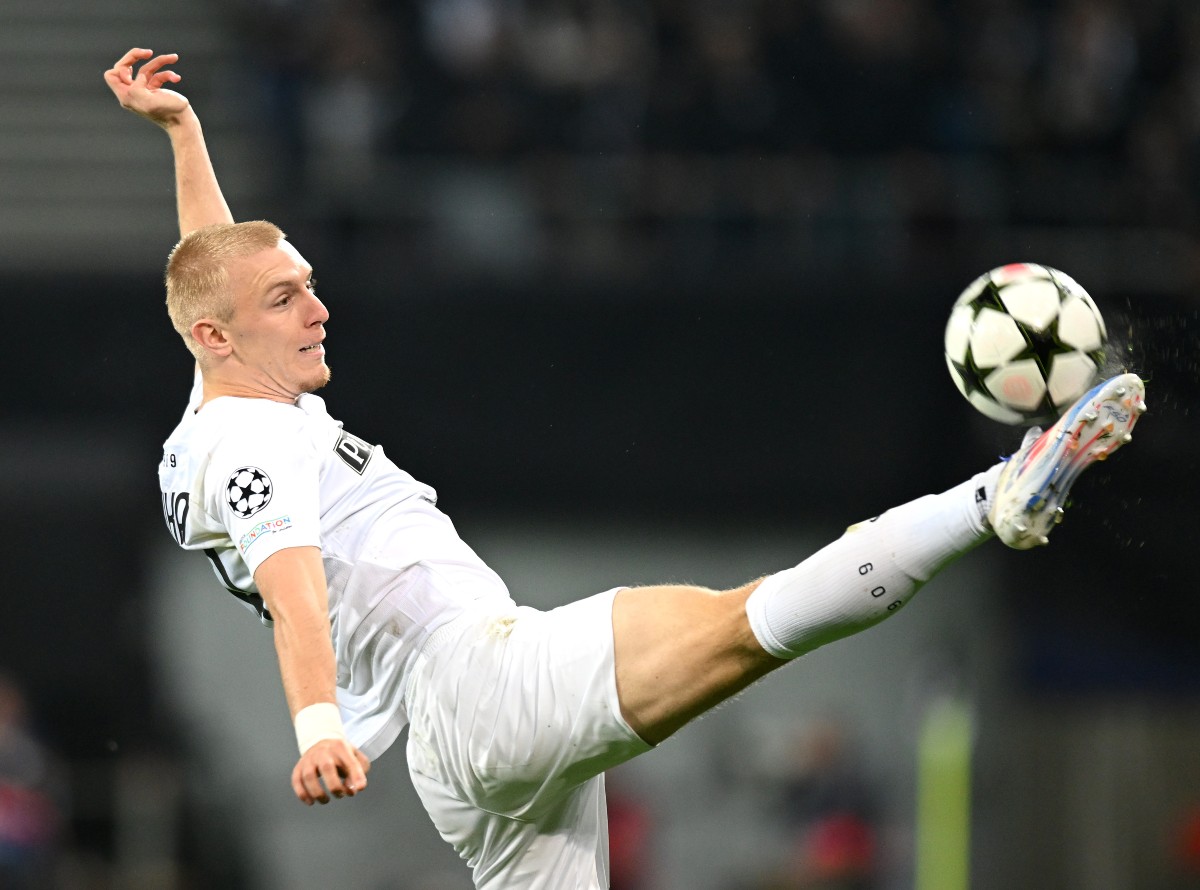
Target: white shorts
513, 719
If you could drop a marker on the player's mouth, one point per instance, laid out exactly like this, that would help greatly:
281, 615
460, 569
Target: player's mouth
318, 348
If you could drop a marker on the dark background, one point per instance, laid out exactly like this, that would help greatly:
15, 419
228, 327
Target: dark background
706, 284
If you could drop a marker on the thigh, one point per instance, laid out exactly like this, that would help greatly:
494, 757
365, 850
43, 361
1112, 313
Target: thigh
681, 650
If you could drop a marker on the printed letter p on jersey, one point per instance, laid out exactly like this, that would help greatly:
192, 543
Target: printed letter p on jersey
354, 452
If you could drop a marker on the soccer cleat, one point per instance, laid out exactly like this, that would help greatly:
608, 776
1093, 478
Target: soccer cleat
1033, 485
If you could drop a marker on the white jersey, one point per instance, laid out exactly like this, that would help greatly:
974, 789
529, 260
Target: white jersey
244, 478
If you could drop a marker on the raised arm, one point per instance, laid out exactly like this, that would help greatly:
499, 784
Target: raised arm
197, 192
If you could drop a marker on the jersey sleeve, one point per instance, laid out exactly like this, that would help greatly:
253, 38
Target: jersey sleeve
265, 491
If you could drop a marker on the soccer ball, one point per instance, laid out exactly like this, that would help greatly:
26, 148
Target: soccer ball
1023, 342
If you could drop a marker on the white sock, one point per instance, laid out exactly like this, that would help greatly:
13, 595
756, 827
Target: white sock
871, 571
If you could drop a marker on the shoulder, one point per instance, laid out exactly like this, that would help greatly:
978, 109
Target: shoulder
255, 432
260, 452
240, 419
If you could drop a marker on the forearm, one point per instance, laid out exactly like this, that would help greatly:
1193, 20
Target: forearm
292, 582
197, 193
329, 764
306, 661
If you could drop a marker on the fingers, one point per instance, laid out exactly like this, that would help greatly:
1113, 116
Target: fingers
128, 60
153, 76
149, 73
306, 783
122, 71
163, 77
133, 55
331, 768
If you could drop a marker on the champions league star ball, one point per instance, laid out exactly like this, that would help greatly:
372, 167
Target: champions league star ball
1023, 342
248, 491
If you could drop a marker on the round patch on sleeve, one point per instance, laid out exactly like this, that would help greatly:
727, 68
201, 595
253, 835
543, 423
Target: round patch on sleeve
248, 491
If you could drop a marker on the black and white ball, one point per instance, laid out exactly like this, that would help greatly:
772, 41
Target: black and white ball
249, 490
1023, 342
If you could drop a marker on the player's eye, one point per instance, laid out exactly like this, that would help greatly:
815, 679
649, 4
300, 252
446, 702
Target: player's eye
311, 284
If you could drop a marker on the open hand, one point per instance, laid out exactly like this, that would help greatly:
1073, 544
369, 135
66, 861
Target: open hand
143, 93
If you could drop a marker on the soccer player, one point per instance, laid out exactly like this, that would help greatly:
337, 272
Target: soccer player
383, 617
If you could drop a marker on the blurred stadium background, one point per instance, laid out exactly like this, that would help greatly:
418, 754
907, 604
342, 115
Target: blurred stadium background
648, 290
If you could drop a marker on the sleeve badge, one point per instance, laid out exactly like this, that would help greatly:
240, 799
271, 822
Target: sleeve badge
248, 491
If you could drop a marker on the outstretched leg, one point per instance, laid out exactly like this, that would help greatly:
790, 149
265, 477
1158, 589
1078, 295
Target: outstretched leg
681, 650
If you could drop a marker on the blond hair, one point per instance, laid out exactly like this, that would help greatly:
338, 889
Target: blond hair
197, 275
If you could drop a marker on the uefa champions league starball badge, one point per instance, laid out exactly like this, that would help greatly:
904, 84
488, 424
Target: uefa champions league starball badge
248, 491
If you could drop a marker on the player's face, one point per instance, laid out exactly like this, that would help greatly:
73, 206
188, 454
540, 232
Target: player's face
278, 323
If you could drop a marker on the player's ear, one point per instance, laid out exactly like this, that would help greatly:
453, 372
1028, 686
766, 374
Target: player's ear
212, 337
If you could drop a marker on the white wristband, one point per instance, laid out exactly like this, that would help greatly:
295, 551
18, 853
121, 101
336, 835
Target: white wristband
317, 722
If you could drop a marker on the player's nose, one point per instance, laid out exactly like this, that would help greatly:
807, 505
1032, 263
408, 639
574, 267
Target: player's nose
318, 313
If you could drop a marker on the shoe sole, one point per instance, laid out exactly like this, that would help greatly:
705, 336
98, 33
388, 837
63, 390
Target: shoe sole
1037, 480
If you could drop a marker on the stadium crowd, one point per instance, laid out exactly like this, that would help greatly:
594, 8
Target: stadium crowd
1070, 110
